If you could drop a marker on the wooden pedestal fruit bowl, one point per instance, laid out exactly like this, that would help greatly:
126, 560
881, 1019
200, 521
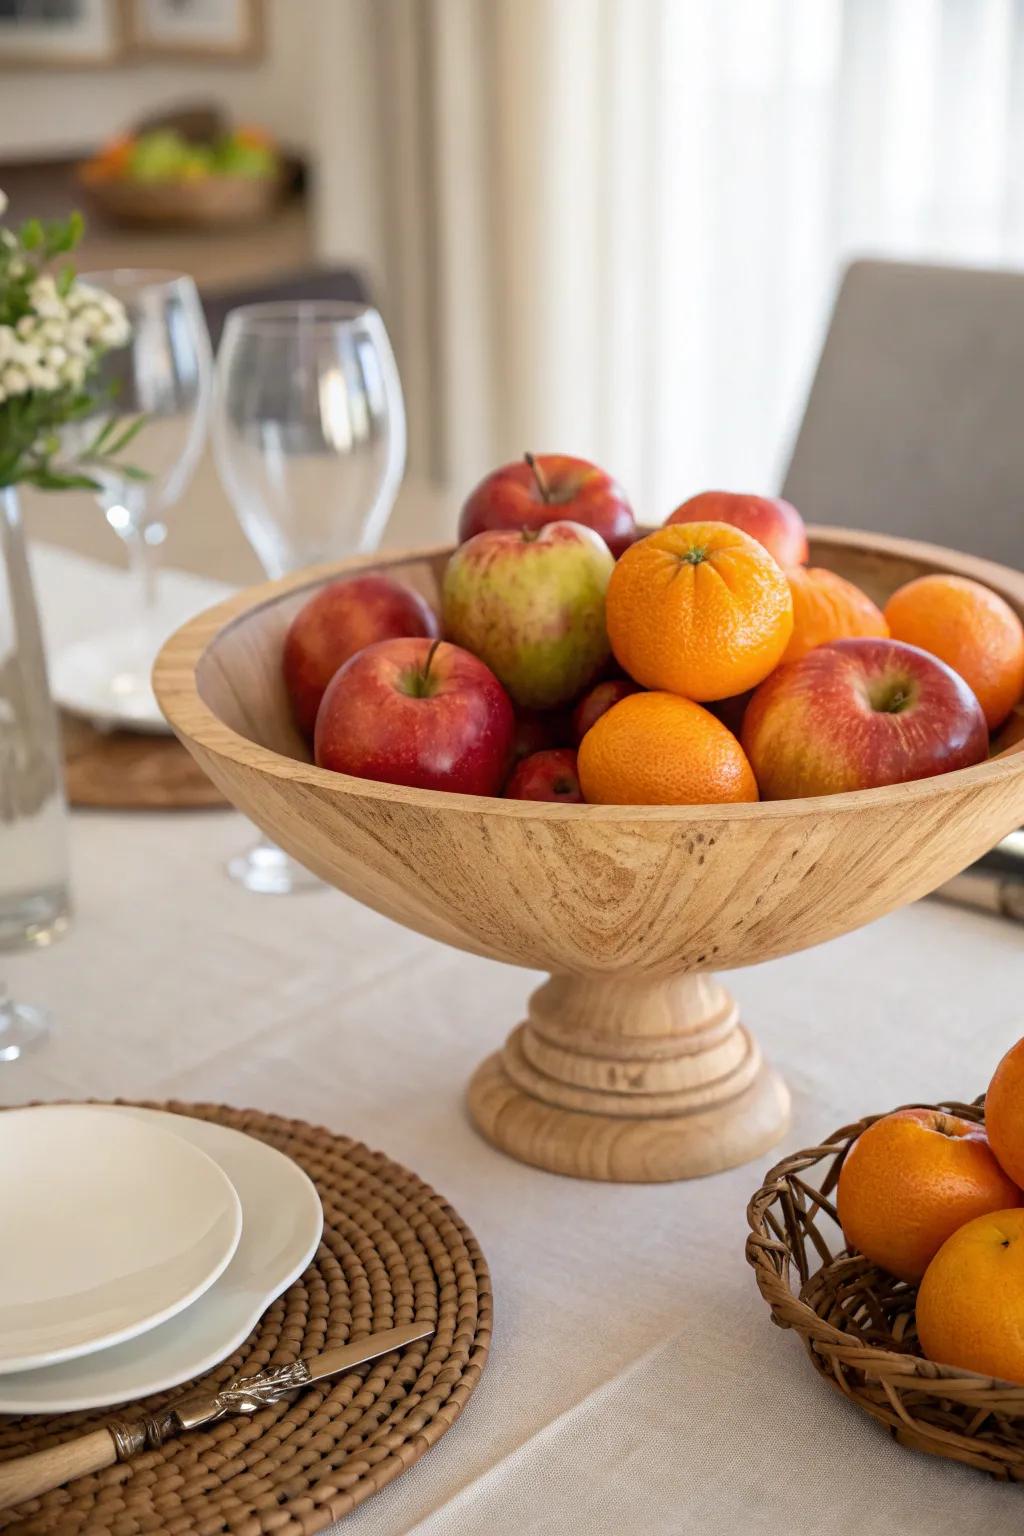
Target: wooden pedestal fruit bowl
633, 1063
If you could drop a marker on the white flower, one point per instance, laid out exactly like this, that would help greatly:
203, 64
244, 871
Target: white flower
55, 357
26, 325
14, 380
3, 202
73, 372
45, 299
44, 378
7, 343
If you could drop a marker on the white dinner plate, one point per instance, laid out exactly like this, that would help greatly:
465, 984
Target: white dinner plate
282, 1224
106, 679
109, 1225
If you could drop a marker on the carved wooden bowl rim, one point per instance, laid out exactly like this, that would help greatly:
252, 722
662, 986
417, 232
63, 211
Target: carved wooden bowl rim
177, 690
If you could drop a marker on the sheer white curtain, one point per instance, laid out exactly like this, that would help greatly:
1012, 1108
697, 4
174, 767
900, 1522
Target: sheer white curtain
614, 227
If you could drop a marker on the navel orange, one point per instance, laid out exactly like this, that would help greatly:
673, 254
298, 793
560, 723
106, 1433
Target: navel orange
659, 749
699, 609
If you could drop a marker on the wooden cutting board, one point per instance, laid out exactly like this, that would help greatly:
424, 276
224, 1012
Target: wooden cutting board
125, 771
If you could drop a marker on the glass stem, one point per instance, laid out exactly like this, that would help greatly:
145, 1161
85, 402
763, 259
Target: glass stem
144, 557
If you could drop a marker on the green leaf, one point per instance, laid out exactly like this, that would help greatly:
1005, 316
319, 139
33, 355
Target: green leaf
65, 278
121, 441
31, 235
133, 472
49, 480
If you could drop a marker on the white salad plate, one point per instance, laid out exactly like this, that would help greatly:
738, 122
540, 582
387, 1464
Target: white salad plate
282, 1225
110, 1225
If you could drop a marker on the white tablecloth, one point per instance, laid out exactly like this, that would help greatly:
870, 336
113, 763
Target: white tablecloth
636, 1383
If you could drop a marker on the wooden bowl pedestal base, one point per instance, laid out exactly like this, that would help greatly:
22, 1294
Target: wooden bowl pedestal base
632, 1081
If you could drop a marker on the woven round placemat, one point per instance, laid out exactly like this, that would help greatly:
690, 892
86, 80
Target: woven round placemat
857, 1322
392, 1252
131, 771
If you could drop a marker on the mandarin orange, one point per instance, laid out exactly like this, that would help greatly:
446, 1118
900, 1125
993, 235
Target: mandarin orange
828, 607
969, 1302
659, 749
1004, 1112
910, 1180
969, 627
699, 609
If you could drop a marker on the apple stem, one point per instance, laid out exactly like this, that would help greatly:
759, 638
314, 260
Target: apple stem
430, 656
538, 475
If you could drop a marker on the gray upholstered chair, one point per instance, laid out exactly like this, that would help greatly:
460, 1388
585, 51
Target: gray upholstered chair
915, 420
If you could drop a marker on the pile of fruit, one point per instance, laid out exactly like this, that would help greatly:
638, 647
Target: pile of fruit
935, 1199
168, 155
704, 663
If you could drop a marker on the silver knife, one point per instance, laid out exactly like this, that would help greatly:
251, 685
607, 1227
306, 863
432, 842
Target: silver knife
29, 1476
994, 884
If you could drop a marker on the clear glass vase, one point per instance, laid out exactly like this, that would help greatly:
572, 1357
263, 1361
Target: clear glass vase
33, 820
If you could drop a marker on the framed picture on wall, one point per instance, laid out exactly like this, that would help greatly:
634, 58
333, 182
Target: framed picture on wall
212, 29
59, 33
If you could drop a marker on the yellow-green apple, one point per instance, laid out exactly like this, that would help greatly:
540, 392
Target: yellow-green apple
771, 521
340, 620
548, 487
858, 713
417, 712
597, 700
547, 775
530, 603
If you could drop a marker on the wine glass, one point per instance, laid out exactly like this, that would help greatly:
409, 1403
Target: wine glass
164, 377
309, 437
22, 1026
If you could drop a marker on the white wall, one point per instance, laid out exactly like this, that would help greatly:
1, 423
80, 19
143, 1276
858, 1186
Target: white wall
44, 112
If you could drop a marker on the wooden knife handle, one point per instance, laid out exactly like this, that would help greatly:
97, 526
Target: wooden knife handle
28, 1476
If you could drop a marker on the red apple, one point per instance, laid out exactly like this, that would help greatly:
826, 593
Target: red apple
771, 521
600, 698
546, 776
855, 714
530, 603
417, 712
538, 730
545, 488
338, 621
731, 710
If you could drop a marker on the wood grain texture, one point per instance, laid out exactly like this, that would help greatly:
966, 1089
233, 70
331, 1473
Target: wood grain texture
29, 1476
623, 897
129, 771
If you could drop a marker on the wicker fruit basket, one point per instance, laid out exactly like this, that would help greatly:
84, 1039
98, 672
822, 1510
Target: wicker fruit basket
858, 1322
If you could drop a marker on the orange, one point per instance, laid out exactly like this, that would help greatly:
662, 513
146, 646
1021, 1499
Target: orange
969, 1302
659, 749
699, 609
828, 607
969, 627
1004, 1112
910, 1180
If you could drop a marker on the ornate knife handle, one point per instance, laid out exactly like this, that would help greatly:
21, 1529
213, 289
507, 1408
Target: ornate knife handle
246, 1394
